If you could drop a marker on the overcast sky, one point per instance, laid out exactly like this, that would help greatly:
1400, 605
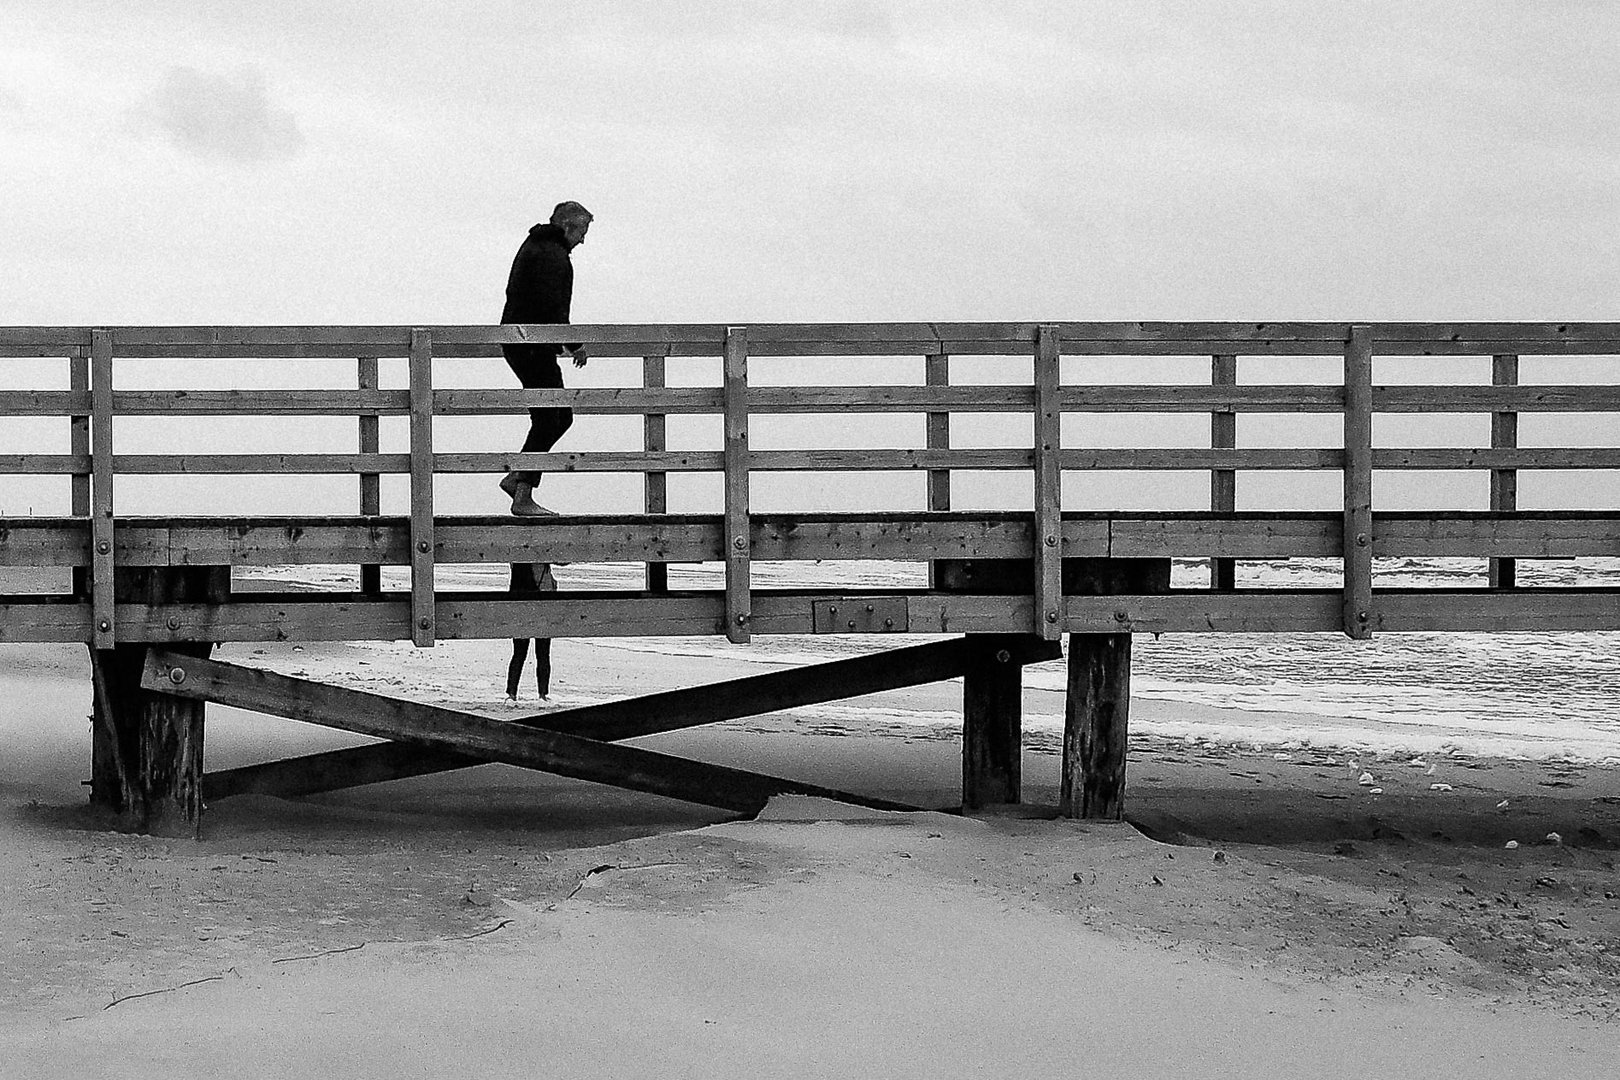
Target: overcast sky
336, 162
329, 161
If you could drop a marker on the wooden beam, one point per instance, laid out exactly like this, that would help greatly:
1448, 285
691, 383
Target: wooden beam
146, 748
423, 628
1223, 482
937, 374
919, 535
737, 465
1096, 724
992, 721
79, 446
1502, 573
476, 736
344, 617
370, 483
655, 485
647, 715
103, 630
1048, 531
1359, 616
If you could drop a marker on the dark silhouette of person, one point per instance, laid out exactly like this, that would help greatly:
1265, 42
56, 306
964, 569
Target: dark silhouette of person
530, 579
540, 289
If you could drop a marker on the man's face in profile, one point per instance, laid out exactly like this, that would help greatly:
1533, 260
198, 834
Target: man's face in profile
574, 232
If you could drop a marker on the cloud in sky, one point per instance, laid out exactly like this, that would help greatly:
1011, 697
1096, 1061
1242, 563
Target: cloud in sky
227, 116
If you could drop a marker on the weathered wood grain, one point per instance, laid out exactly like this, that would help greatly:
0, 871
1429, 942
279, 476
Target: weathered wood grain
1358, 493
439, 729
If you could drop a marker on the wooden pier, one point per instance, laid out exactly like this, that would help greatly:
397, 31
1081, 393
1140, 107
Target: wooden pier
150, 595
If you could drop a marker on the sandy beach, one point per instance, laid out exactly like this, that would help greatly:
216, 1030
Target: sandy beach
1259, 911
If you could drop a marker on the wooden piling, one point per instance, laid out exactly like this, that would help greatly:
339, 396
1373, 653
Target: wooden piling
146, 748
1096, 723
1096, 716
992, 725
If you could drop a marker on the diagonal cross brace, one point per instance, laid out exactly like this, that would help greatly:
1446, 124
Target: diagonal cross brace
476, 737
632, 717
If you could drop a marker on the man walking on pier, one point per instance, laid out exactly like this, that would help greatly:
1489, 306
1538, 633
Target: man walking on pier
539, 290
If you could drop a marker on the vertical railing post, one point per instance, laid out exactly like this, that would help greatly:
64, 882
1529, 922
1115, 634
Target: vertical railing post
1048, 524
422, 588
79, 447
1503, 573
734, 381
370, 482
1223, 482
937, 372
655, 485
1358, 615
102, 630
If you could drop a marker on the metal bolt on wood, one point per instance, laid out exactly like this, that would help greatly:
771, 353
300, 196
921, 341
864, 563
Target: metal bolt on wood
177, 675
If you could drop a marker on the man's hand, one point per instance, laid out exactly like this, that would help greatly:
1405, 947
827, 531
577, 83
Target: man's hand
580, 356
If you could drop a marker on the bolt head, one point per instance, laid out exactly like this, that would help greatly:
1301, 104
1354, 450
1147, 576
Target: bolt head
1003, 656
174, 622
1362, 616
742, 619
1361, 540
104, 625
422, 546
740, 543
177, 675
103, 547
1051, 541
1051, 616
424, 622
1121, 615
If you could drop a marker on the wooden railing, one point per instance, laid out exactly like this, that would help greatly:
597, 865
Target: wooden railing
93, 542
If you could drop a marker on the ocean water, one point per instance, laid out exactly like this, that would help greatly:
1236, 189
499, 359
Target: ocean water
1528, 695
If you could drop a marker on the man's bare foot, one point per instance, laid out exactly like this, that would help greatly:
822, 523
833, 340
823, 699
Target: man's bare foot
524, 506
509, 484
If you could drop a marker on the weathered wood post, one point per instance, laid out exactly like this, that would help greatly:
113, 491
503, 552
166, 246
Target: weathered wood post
1503, 573
655, 485
1223, 482
370, 483
1096, 723
147, 748
1096, 717
992, 725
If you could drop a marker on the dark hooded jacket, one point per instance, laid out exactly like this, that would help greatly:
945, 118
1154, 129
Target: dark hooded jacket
541, 285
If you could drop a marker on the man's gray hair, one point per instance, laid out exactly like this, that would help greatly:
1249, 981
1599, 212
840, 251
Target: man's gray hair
571, 213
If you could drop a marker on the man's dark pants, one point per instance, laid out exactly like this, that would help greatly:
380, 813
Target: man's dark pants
537, 369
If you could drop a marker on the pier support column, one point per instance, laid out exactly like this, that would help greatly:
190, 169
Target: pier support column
146, 748
1096, 721
992, 725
